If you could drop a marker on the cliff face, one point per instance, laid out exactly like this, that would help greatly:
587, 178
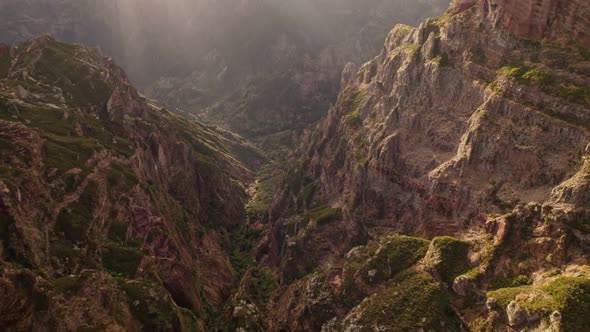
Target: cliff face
539, 19
114, 213
460, 128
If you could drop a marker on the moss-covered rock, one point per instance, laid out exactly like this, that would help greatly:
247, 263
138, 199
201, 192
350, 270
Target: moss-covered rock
395, 254
74, 220
448, 256
570, 296
121, 259
413, 300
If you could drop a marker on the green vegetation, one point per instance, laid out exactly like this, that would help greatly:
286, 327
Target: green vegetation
568, 295
480, 325
410, 49
449, 257
74, 220
118, 231
441, 19
261, 285
396, 254
60, 66
413, 300
323, 215
548, 83
122, 177
442, 59
150, 305
513, 281
121, 259
267, 186
351, 102
243, 240
401, 30
67, 153
67, 284
360, 151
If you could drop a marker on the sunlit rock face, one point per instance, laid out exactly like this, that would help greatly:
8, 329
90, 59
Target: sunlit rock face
544, 18
473, 125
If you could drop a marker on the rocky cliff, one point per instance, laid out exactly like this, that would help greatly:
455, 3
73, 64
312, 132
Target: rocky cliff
541, 19
465, 133
115, 214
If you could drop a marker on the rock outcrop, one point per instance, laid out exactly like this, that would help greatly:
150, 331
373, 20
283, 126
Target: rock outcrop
538, 19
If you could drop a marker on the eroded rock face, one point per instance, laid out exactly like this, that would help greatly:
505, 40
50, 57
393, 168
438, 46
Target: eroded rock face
459, 127
114, 212
539, 19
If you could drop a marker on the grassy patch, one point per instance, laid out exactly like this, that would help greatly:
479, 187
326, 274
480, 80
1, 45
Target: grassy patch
410, 49
150, 306
351, 102
67, 284
121, 259
548, 83
59, 65
267, 186
121, 177
396, 254
413, 300
449, 257
261, 285
401, 30
569, 295
65, 153
323, 215
74, 220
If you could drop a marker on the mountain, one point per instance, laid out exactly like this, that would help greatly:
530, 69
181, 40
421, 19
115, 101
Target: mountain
276, 67
448, 187
257, 67
115, 214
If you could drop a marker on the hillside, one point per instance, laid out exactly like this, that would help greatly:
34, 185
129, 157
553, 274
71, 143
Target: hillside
466, 134
115, 213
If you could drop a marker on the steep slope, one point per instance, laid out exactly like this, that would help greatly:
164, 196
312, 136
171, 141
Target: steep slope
460, 128
115, 214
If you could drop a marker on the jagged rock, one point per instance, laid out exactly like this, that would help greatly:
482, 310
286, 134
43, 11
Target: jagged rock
348, 74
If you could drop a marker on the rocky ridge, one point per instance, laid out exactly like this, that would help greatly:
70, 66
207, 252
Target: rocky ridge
115, 214
462, 132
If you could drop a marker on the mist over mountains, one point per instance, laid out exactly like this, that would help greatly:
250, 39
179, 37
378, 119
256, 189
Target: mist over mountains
256, 66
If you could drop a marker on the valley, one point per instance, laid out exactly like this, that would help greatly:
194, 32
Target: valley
436, 180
